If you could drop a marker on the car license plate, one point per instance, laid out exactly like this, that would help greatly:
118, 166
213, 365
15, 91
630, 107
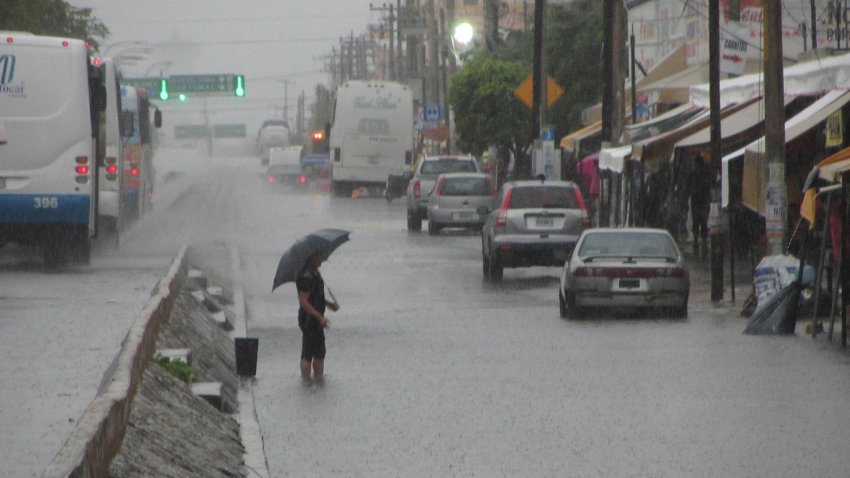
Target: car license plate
2, 183
544, 222
629, 283
462, 216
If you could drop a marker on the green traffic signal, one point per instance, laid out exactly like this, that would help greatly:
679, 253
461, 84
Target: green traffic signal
239, 85
163, 89
182, 97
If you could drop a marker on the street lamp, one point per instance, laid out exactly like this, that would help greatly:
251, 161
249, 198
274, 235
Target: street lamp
136, 43
463, 33
163, 64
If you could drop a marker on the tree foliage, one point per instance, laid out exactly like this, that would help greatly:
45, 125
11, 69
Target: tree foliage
486, 111
52, 17
573, 52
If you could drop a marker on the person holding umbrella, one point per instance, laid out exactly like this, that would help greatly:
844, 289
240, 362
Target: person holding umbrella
311, 316
300, 264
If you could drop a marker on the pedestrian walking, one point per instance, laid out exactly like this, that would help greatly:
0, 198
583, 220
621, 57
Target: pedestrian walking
699, 187
311, 317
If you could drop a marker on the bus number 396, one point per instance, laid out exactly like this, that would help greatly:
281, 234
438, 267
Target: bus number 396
45, 202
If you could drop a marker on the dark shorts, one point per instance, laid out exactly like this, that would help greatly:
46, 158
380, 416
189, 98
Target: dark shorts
312, 344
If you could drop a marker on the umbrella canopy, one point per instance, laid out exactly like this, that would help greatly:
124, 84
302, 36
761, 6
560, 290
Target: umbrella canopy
294, 259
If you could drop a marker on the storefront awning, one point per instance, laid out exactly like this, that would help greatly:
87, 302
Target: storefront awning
755, 162
612, 159
569, 141
661, 123
657, 148
675, 88
811, 78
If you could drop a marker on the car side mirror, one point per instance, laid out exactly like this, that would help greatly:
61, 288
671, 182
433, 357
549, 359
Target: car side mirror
483, 210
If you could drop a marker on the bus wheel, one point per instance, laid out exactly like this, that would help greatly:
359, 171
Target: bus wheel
80, 247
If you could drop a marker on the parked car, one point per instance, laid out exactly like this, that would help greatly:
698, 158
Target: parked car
423, 180
537, 223
631, 268
456, 199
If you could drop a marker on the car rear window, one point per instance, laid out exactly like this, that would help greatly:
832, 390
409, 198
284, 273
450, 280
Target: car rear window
466, 187
447, 166
543, 197
627, 244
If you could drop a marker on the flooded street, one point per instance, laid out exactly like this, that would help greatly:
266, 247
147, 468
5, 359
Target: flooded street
432, 371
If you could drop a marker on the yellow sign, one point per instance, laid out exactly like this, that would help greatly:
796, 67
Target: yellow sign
834, 130
525, 91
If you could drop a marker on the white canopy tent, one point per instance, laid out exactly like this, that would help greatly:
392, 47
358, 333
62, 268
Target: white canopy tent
809, 78
613, 159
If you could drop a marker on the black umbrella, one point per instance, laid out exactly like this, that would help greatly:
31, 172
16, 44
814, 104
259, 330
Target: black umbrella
294, 259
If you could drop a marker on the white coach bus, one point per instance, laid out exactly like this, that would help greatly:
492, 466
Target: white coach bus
52, 100
371, 135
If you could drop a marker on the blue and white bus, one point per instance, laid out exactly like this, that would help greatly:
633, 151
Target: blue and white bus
139, 170
52, 134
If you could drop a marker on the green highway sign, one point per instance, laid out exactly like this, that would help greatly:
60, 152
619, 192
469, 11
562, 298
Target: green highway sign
229, 131
201, 83
150, 84
190, 131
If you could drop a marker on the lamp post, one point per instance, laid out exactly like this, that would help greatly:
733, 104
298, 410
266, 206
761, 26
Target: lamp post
163, 64
137, 43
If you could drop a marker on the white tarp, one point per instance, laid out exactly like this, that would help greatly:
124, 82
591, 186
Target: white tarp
612, 159
809, 78
724, 175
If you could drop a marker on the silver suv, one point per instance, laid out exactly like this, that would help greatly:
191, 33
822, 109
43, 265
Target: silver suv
423, 180
537, 223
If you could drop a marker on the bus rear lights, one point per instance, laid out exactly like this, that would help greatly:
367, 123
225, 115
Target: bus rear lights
10, 40
82, 159
111, 169
302, 179
271, 179
82, 169
134, 172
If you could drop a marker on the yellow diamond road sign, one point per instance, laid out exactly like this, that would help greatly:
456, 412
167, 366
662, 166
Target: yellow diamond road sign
525, 91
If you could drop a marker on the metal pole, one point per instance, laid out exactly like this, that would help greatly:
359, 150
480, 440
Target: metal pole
717, 239
819, 274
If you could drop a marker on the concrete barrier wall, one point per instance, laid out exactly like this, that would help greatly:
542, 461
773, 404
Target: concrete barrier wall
97, 438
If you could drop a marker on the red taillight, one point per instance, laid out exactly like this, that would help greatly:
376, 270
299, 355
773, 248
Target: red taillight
10, 40
302, 179
676, 272
134, 172
271, 179
439, 186
582, 272
417, 190
82, 169
111, 169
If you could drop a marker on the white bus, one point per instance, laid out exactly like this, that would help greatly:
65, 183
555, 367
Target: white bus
371, 135
52, 132
111, 190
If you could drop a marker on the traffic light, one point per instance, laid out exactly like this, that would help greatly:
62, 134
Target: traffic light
163, 89
318, 136
182, 97
239, 85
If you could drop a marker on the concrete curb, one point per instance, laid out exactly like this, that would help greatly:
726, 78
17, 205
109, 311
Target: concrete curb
249, 425
97, 438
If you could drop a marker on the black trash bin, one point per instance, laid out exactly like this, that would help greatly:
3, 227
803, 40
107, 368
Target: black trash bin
246, 356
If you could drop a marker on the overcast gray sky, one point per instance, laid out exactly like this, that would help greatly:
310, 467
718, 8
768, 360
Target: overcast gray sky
264, 39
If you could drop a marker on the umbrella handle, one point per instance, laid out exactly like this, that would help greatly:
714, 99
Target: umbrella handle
330, 292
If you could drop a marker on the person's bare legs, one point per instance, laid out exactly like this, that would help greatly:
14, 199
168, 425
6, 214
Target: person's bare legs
305, 369
318, 369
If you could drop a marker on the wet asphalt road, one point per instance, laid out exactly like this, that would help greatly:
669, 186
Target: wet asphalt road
433, 372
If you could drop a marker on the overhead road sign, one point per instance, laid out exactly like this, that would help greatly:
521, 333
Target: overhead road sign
203, 84
150, 84
229, 130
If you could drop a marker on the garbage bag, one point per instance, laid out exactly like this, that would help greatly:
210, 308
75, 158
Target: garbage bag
777, 314
774, 273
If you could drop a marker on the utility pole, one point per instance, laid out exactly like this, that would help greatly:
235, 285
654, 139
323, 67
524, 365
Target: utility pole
774, 128
491, 23
716, 138
613, 76
390, 19
433, 69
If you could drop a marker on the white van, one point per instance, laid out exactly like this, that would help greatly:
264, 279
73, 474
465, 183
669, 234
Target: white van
52, 100
372, 134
